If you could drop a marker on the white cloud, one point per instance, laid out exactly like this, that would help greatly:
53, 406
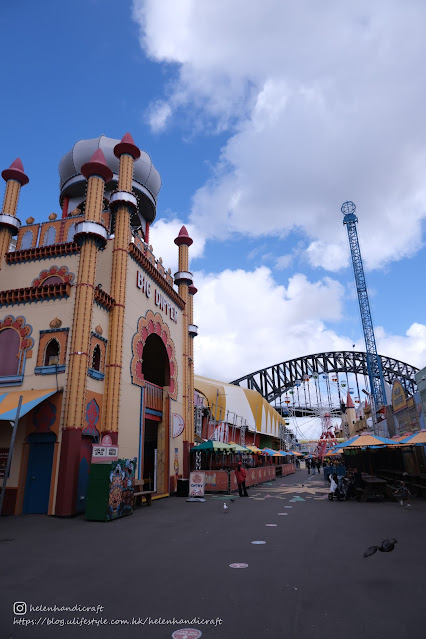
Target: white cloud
283, 261
162, 235
247, 321
159, 115
323, 103
410, 348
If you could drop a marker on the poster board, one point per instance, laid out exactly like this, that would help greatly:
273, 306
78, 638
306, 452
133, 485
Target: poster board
197, 482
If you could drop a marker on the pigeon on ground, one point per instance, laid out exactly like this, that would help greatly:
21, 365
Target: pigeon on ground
225, 508
386, 546
232, 500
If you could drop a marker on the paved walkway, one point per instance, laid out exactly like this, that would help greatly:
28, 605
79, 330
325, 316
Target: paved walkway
309, 580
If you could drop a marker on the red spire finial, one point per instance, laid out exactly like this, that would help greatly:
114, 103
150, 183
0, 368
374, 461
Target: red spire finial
183, 237
97, 166
15, 172
128, 146
349, 402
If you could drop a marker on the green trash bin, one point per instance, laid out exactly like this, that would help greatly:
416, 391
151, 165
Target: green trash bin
110, 491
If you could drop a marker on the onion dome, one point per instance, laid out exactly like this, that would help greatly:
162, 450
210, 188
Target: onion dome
146, 182
16, 172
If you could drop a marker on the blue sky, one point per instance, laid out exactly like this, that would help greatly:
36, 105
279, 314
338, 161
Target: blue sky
262, 118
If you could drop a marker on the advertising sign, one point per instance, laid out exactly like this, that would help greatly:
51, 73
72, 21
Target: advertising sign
104, 454
197, 482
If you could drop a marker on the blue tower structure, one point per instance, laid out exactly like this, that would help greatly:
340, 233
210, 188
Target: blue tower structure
374, 365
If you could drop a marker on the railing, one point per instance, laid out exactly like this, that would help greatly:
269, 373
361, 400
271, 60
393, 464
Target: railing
153, 396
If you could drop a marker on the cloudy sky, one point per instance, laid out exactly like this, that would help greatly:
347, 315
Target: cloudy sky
262, 117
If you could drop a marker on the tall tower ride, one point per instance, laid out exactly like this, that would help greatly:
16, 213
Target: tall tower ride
374, 364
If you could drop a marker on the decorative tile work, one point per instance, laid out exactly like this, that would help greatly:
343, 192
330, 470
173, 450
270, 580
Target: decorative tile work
61, 272
34, 294
42, 253
152, 323
92, 419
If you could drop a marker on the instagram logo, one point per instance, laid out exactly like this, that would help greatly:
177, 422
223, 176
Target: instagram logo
19, 608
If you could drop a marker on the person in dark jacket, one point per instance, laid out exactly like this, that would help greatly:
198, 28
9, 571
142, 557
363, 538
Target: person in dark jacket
308, 465
240, 474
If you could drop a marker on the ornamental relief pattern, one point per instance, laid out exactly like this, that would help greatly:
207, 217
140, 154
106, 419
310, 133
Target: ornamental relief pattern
54, 271
152, 323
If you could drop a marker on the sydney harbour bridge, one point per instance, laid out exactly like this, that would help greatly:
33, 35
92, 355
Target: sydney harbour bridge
323, 380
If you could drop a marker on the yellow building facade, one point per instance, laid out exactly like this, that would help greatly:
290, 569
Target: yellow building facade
95, 334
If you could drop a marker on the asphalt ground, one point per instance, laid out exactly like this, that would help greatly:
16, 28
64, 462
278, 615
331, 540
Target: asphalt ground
168, 567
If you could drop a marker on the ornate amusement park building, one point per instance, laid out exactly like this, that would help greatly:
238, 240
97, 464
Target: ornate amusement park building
93, 335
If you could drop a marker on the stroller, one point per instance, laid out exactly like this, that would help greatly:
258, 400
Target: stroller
339, 488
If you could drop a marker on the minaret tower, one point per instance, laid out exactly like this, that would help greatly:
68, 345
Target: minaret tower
14, 177
91, 235
123, 203
183, 278
350, 414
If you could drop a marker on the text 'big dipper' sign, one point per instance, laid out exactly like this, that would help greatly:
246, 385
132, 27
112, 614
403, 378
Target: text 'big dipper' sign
160, 300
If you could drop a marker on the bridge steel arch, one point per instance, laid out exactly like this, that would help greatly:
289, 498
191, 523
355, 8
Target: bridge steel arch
275, 380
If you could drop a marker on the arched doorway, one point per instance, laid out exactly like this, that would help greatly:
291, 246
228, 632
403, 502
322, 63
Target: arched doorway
156, 372
39, 473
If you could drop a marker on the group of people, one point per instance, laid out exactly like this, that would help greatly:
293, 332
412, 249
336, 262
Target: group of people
345, 486
313, 465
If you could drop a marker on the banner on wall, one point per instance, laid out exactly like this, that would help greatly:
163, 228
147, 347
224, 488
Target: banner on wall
197, 482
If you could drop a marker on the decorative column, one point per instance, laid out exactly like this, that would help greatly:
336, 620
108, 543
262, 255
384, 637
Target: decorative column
183, 278
122, 203
91, 235
192, 332
14, 177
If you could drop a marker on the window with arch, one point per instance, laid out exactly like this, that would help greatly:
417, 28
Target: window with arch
54, 279
51, 357
71, 233
27, 240
96, 359
50, 236
10, 346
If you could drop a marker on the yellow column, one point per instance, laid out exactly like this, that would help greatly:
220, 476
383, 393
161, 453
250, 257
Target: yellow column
90, 234
191, 334
9, 224
123, 200
184, 279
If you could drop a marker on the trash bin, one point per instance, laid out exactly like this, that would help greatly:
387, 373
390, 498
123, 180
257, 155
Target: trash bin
183, 487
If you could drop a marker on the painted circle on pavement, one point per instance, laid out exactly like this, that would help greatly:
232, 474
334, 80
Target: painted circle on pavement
238, 565
288, 506
271, 524
282, 513
258, 542
187, 633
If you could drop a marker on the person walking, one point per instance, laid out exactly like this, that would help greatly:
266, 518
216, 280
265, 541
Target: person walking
318, 465
240, 474
308, 465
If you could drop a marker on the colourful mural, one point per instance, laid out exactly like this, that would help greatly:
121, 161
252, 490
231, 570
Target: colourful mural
122, 480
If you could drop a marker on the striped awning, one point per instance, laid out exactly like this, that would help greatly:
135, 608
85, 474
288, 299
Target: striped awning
30, 399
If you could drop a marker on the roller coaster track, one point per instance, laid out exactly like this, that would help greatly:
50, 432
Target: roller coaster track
275, 380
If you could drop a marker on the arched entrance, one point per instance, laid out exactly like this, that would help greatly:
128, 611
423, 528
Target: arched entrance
39, 473
156, 372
